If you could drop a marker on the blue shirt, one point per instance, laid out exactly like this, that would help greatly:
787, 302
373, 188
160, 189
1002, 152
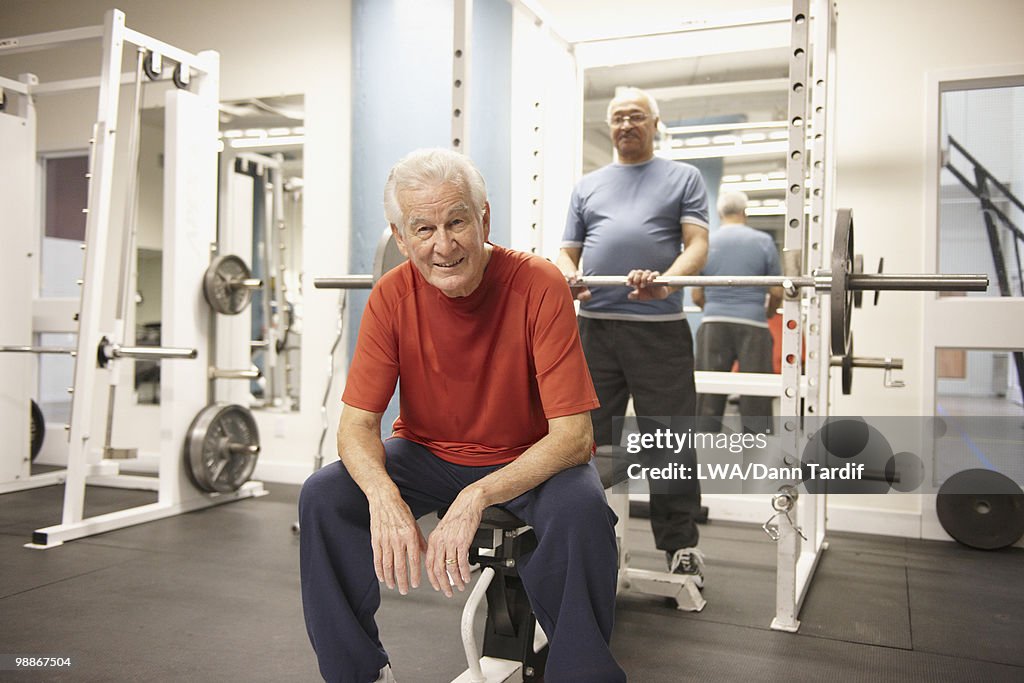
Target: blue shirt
739, 250
629, 216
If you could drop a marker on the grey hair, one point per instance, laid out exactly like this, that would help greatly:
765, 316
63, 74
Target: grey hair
631, 93
429, 168
732, 203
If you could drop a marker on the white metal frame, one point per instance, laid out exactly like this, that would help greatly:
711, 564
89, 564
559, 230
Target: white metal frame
802, 391
19, 263
189, 232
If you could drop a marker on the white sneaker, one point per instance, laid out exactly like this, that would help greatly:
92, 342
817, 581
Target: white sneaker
386, 676
689, 562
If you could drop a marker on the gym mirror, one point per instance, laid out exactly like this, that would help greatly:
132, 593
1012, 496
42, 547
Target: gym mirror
260, 219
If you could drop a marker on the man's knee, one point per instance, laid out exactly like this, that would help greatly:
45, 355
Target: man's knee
330, 487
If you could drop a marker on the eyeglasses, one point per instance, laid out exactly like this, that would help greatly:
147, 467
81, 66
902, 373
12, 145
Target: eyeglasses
622, 119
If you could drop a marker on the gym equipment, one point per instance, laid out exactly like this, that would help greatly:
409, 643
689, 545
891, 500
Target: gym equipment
222, 447
982, 509
189, 228
228, 284
37, 429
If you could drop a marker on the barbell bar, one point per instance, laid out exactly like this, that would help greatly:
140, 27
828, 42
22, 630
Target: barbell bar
842, 282
108, 351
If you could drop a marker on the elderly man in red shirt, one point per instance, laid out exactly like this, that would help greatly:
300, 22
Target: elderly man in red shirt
495, 410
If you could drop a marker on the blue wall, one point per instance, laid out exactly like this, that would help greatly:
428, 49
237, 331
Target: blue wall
401, 101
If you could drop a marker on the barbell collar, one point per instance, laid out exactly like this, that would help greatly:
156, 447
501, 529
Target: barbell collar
38, 349
344, 282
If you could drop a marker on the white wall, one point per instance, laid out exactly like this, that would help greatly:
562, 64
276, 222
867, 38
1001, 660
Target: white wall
886, 50
266, 48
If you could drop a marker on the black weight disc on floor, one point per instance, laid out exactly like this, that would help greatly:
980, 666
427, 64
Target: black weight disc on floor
982, 509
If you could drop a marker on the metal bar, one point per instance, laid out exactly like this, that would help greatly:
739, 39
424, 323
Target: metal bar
462, 42
38, 349
866, 362
721, 127
344, 282
986, 203
43, 41
252, 373
706, 281
14, 86
178, 55
918, 282
978, 165
151, 352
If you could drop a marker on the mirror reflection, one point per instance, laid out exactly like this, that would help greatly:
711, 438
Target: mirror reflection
260, 198
260, 218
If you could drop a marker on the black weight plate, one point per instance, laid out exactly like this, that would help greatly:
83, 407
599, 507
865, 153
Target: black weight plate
38, 429
210, 462
218, 288
858, 267
387, 256
848, 374
841, 297
982, 509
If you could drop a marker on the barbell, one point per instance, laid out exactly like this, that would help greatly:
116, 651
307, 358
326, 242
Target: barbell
843, 281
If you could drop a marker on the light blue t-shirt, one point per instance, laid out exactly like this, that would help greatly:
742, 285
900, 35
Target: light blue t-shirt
628, 216
739, 250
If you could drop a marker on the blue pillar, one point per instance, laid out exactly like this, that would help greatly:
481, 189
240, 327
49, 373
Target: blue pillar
401, 101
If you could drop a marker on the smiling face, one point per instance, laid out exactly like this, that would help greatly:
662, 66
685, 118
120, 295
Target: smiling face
444, 237
633, 140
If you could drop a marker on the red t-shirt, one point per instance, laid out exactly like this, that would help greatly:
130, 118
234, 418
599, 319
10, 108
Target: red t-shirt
480, 375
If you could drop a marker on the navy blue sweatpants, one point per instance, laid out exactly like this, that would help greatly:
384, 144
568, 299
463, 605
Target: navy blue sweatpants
570, 577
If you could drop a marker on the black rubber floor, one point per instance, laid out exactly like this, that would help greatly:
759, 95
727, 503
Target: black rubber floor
214, 596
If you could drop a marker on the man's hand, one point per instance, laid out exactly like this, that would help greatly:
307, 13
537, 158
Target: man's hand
579, 291
448, 547
397, 543
643, 288
568, 262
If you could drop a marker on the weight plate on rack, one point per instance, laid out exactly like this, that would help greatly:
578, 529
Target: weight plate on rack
841, 297
981, 508
222, 285
858, 267
38, 429
848, 370
387, 255
221, 448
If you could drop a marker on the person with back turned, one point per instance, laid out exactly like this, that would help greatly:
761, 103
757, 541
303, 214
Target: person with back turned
735, 324
630, 218
494, 409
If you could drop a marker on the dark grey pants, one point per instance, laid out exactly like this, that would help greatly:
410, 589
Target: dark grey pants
653, 363
719, 345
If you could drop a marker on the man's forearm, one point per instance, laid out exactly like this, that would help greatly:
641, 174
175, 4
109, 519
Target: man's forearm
362, 452
544, 459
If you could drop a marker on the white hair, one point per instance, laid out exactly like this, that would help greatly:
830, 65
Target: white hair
631, 93
430, 168
732, 203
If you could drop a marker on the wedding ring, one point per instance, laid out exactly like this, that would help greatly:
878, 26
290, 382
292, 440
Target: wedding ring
450, 561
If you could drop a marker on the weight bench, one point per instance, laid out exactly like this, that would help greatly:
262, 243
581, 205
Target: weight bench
514, 644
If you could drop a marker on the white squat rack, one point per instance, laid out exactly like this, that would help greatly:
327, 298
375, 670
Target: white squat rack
189, 231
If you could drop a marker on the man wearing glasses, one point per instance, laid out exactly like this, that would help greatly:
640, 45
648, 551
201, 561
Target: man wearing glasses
629, 218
